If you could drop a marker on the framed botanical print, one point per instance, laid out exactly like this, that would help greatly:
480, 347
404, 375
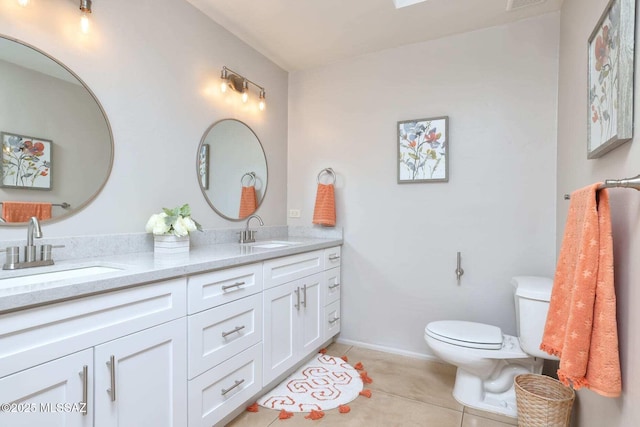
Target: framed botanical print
423, 150
26, 162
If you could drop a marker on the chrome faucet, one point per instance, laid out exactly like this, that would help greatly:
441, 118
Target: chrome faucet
248, 235
30, 249
12, 260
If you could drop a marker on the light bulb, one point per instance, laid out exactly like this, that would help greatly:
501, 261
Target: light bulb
245, 97
262, 104
245, 91
23, 3
84, 23
223, 86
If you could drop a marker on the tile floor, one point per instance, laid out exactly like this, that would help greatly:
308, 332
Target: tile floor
405, 392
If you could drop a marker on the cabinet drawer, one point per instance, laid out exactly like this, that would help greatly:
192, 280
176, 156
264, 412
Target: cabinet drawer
219, 391
331, 320
332, 257
33, 336
219, 333
220, 287
282, 270
331, 286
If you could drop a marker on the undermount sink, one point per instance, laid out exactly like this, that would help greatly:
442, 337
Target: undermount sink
272, 244
33, 277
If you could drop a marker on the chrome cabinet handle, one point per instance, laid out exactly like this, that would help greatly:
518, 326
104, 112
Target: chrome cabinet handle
232, 387
237, 329
297, 306
334, 286
112, 367
334, 320
459, 270
304, 301
235, 285
85, 389
334, 257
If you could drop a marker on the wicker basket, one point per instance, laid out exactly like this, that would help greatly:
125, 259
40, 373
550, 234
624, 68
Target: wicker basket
543, 401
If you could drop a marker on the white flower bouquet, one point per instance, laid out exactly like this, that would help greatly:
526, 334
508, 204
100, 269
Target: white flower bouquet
176, 222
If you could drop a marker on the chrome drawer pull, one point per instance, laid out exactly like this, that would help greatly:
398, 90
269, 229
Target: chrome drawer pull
232, 387
304, 290
297, 306
237, 329
85, 389
334, 320
334, 286
112, 367
334, 257
235, 285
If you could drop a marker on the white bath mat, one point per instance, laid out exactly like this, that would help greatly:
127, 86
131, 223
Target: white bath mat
324, 383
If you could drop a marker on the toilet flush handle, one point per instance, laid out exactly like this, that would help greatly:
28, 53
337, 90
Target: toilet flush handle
459, 270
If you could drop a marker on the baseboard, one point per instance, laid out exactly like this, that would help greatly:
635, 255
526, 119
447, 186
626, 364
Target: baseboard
391, 350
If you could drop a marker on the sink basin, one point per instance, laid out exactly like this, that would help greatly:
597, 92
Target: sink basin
31, 278
272, 244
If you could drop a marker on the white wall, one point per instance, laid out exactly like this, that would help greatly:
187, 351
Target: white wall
155, 68
579, 17
499, 88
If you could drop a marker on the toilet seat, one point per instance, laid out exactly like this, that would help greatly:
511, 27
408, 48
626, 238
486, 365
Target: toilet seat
466, 334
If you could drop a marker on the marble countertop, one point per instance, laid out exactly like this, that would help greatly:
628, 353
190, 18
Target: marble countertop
139, 268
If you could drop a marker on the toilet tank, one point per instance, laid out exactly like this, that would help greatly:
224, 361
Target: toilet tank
532, 295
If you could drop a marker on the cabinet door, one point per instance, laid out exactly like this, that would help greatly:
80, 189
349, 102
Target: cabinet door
311, 310
54, 394
141, 379
281, 315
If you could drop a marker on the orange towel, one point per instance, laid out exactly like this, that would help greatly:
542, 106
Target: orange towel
324, 212
22, 211
248, 201
581, 324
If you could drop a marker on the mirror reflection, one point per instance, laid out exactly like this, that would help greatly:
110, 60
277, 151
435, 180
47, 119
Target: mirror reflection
57, 146
232, 169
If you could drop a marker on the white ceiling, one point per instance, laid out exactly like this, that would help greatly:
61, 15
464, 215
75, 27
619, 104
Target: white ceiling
299, 34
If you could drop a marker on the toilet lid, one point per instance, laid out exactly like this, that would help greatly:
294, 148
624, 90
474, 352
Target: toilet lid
466, 334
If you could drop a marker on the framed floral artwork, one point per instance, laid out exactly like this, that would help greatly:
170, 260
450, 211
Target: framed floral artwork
203, 166
610, 79
26, 162
423, 150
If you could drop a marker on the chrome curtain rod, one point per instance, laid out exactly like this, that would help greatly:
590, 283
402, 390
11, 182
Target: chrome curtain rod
63, 205
615, 183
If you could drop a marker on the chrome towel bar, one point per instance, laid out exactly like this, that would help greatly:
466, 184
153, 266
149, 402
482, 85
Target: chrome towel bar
615, 183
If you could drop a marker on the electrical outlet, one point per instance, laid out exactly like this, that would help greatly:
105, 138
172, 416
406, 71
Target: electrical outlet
294, 213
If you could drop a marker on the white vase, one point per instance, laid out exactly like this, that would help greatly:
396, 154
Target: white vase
170, 244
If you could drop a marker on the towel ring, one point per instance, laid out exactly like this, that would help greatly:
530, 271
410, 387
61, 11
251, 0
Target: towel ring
328, 171
252, 178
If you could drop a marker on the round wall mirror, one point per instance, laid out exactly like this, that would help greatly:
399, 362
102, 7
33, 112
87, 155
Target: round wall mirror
57, 145
232, 169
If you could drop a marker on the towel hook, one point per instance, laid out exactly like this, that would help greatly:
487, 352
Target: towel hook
252, 178
329, 171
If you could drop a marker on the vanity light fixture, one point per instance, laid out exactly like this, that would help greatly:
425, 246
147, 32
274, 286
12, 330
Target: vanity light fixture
239, 83
85, 8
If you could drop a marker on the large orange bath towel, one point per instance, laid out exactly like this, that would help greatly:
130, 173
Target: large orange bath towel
581, 326
324, 212
22, 211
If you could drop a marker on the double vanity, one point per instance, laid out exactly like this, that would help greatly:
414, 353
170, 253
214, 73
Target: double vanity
163, 341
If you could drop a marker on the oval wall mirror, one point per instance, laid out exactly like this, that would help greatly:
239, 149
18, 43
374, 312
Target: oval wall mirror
57, 144
232, 169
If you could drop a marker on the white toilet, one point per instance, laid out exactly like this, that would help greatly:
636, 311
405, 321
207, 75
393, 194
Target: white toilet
487, 359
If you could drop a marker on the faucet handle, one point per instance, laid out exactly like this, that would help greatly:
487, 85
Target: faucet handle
46, 251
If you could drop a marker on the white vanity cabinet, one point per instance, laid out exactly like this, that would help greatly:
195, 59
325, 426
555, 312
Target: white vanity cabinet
32, 394
295, 307
46, 349
331, 290
224, 342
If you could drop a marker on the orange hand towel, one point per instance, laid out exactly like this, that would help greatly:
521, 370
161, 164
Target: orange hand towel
248, 201
22, 211
324, 212
581, 324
